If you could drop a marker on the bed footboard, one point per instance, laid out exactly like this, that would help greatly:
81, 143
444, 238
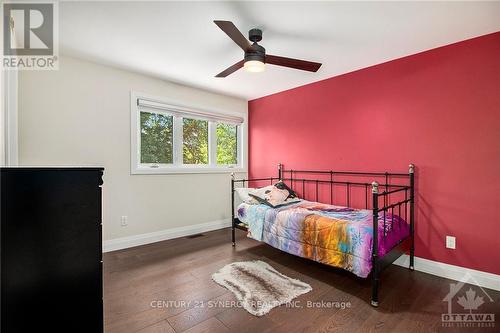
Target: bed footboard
392, 255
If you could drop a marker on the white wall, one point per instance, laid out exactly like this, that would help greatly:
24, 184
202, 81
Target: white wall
80, 115
8, 110
8, 116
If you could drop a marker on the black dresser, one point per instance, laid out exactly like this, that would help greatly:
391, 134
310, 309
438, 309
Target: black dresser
51, 250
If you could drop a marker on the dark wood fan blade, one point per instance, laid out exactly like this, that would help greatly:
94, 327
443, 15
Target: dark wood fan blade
293, 63
230, 29
231, 70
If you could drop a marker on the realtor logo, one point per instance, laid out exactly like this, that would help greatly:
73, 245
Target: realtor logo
29, 35
469, 300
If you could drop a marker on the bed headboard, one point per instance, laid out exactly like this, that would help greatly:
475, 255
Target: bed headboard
382, 191
339, 187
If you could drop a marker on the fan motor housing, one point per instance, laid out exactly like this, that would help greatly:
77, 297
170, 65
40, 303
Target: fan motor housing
255, 35
255, 52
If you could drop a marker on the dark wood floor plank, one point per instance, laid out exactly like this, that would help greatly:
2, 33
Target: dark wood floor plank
201, 312
160, 327
133, 322
212, 325
179, 271
186, 293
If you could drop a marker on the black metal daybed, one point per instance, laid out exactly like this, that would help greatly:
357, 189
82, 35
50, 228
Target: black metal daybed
397, 196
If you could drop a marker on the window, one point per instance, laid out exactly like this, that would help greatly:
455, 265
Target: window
227, 143
195, 141
156, 138
175, 139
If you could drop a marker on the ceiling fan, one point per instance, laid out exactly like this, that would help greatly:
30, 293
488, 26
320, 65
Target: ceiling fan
255, 55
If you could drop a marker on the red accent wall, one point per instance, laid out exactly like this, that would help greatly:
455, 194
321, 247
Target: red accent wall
439, 109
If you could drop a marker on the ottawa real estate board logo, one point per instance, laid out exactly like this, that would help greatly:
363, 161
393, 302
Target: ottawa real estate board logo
465, 302
30, 35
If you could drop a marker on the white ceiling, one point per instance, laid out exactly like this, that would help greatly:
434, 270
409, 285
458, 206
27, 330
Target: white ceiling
177, 41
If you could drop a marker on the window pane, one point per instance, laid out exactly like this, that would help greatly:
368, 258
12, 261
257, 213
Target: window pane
195, 147
227, 144
156, 138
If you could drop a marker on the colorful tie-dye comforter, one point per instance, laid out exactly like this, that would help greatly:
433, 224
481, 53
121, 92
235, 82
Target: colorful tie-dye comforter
333, 235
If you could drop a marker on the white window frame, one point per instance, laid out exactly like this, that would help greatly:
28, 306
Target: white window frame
177, 167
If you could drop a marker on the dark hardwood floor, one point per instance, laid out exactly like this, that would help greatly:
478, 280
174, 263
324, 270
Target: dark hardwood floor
140, 282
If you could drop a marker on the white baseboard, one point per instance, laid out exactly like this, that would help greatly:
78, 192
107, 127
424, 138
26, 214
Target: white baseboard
457, 273
157, 236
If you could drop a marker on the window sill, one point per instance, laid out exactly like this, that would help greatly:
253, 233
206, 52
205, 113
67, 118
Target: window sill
185, 170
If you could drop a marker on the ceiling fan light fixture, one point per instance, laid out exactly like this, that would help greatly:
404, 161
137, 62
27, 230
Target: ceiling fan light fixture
254, 66
255, 57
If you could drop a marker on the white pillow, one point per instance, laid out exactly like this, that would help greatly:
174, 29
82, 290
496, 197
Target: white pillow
243, 193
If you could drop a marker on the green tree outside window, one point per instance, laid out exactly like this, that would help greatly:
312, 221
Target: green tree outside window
156, 138
195, 143
227, 144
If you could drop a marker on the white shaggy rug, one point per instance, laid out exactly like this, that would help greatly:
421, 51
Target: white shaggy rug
258, 286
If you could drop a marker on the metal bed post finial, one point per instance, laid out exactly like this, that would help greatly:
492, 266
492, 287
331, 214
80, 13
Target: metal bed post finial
411, 168
375, 187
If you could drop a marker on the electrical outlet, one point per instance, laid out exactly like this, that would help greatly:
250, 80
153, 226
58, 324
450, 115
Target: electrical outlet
450, 242
124, 221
